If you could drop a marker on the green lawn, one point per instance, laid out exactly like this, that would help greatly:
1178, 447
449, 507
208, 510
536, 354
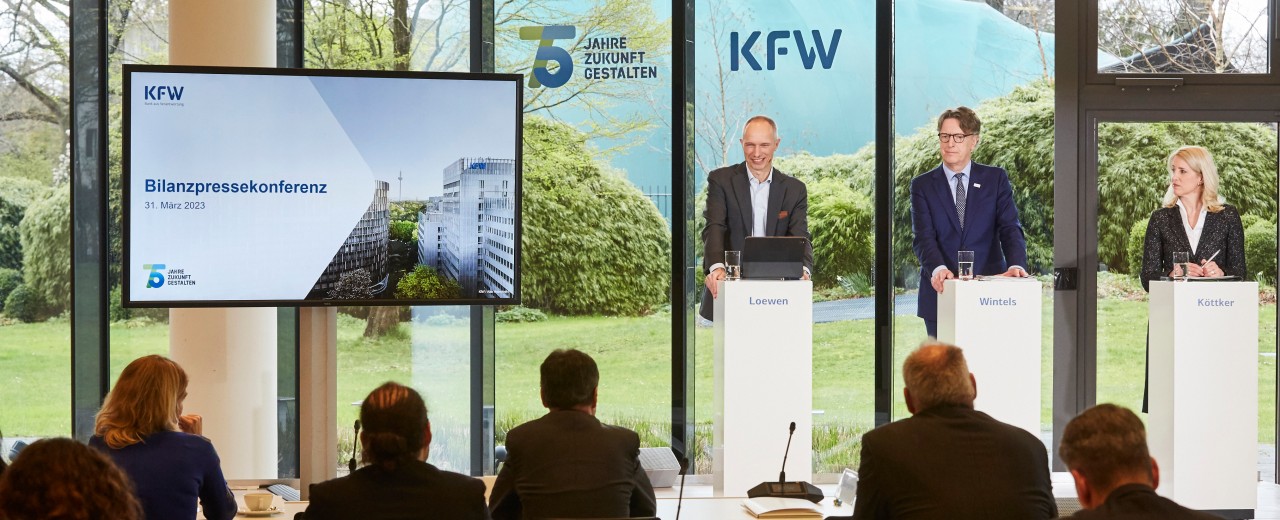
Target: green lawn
632, 354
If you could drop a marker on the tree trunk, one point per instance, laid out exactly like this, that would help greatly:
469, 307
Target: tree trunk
381, 321
400, 33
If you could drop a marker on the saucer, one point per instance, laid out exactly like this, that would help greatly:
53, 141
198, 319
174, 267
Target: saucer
264, 512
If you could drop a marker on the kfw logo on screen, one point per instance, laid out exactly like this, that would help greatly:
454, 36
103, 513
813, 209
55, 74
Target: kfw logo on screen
546, 35
775, 45
162, 93
155, 278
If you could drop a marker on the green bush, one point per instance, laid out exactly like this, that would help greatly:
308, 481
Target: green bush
521, 314
115, 305
1137, 239
424, 284
46, 249
593, 243
9, 279
25, 304
404, 230
1260, 252
1248, 220
842, 226
16, 194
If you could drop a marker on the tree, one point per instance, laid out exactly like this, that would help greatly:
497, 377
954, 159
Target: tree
592, 242
46, 246
353, 285
424, 284
386, 34
16, 194
1185, 36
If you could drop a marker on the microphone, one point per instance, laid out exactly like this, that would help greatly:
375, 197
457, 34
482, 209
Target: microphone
782, 475
684, 470
351, 464
782, 488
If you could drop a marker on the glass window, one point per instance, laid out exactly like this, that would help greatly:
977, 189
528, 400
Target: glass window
596, 248
35, 229
1003, 72
1183, 36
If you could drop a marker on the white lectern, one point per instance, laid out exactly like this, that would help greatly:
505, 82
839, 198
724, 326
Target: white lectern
997, 323
763, 382
1202, 427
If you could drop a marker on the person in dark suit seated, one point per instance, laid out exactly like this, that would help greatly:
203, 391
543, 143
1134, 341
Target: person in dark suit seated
949, 461
962, 206
1106, 450
142, 428
396, 481
1195, 220
61, 479
567, 464
750, 199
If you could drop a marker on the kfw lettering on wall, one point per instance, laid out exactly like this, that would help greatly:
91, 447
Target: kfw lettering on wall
743, 48
599, 58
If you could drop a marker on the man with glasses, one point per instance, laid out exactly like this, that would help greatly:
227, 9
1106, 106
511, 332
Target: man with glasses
962, 206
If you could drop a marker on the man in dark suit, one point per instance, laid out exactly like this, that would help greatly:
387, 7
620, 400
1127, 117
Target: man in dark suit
567, 464
962, 206
1106, 450
396, 483
949, 461
751, 199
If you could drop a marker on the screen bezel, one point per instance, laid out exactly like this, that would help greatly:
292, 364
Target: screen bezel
126, 209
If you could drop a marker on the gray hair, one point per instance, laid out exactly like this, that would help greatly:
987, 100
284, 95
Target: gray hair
937, 374
761, 119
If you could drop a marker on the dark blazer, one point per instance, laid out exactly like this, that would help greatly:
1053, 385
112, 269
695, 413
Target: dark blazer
952, 462
170, 471
728, 216
991, 229
566, 464
1140, 502
1165, 235
415, 490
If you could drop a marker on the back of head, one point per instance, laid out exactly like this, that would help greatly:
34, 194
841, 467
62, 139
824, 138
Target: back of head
146, 399
936, 374
394, 418
1106, 443
967, 118
62, 479
569, 379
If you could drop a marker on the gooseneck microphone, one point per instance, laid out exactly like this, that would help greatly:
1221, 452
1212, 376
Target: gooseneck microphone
782, 488
782, 475
355, 445
684, 470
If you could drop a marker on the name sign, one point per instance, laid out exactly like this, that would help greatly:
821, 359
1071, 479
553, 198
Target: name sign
1214, 302
1001, 302
767, 301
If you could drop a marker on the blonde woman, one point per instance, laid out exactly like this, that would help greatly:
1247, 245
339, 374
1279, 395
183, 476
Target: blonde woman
141, 427
1195, 220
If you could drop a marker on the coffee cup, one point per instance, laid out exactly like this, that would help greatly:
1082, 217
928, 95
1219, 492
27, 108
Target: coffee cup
258, 501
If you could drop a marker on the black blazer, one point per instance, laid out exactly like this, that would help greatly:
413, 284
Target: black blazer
1139, 502
567, 464
955, 463
416, 490
729, 219
1165, 235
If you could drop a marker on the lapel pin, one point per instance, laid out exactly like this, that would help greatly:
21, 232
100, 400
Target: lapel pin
976, 185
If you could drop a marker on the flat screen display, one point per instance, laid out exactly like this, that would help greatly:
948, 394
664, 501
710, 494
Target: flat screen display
284, 187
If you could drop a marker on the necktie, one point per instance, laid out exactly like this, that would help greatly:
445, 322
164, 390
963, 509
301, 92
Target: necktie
960, 198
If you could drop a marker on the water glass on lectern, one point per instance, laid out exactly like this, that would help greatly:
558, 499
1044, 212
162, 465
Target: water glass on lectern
965, 261
733, 265
1180, 261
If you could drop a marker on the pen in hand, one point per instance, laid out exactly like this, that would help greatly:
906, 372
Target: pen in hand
1211, 257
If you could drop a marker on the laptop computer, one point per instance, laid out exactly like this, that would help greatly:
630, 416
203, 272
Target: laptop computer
773, 258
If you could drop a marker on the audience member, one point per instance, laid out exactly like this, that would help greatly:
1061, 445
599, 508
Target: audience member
1106, 450
949, 461
396, 481
567, 464
61, 479
142, 428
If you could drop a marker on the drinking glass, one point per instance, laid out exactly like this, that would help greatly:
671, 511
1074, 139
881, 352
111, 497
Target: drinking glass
965, 260
1181, 259
733, 265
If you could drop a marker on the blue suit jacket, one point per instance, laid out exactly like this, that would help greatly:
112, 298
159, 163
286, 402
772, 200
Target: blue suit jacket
992, 229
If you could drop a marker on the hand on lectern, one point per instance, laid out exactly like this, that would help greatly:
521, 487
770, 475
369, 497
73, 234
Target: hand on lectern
1016, 272
939, 276
712, 278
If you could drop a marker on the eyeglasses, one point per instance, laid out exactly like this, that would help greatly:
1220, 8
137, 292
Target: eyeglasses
959, 138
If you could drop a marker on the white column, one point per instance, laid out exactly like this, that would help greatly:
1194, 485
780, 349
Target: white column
229, 354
